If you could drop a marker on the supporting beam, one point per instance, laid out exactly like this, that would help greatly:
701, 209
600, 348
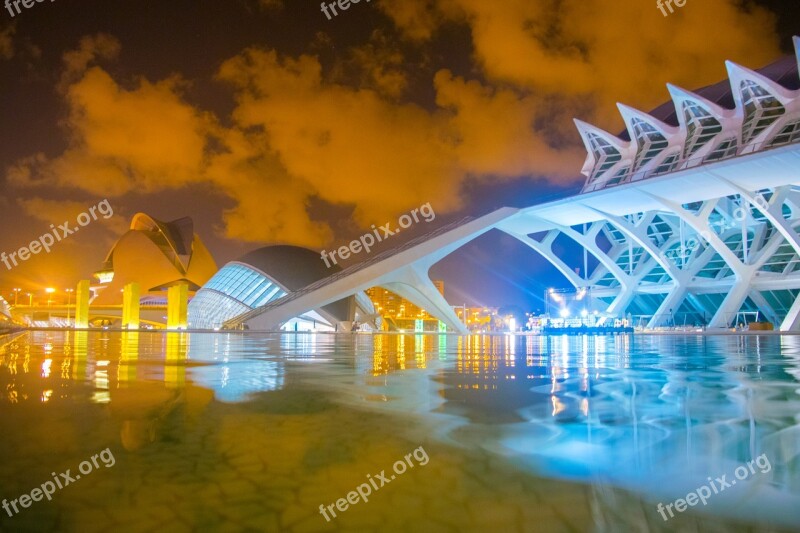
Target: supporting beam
177, 305
665, 311
764, 306
416, 287
130, 306
545, 249
378, 272
743, 273
792, 320
82, 305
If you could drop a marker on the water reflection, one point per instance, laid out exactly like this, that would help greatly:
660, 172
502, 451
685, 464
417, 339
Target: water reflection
654, 414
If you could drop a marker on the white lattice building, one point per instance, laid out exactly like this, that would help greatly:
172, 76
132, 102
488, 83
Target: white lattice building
690, 216
730, 242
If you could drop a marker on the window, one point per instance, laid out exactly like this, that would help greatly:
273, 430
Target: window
649, 141
668, 165
619, 176
760, 110
605, 155
724, 150
789, 134
701, 127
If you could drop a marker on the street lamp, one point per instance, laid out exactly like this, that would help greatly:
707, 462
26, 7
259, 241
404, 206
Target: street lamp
49, 291
30, 299
16, 296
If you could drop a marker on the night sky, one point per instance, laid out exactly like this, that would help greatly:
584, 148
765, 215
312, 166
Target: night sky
268, 123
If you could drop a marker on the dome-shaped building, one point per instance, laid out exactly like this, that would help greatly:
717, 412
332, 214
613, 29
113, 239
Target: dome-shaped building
265, 275
154, 254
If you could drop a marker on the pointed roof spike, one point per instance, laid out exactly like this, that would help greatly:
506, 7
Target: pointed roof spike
679, 95
737, 74
629, 113
584, 128
796, 41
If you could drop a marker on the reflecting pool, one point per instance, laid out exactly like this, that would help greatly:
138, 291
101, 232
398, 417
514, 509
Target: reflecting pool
127, 431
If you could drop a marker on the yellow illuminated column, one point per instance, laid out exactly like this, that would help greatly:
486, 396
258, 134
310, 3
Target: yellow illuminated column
175, 360
79, 354
82, 305
177, 305
129, 354
130, 306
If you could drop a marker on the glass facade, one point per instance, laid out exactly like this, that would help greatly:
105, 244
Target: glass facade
649, 140
605, 156
760, 109
234, 290
701, 127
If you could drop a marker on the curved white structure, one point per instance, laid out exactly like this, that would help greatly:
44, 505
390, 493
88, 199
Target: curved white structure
692, 218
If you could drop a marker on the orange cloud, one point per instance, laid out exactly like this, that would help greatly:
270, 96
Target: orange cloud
605, 51
7, 42
351, 146
349, 137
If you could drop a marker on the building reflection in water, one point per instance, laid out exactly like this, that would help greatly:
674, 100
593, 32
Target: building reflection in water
658, 414
654, 413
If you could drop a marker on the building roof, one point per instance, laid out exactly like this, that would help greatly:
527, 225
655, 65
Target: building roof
156, 254
295, 267
783, 71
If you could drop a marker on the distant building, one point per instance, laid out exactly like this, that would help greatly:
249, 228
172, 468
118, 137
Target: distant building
154, 254
479, 318
399, 314
266, 275
390, 305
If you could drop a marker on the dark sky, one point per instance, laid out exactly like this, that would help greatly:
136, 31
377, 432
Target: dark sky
268, 123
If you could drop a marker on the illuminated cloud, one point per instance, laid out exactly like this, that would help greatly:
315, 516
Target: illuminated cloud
90, 49
417, 19
513, 146
60, 211
349, 136
606, 51
377, 65
349, 145
6, 42
143, 139
271, 4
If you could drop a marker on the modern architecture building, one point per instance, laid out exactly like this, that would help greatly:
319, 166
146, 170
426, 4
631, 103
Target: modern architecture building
266, 275
399, 314
690, 216
155, 255
391, 305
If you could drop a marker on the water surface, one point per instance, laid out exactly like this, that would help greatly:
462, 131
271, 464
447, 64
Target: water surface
254, 432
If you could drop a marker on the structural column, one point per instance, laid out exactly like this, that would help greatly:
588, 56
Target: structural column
178, 305
82, 305
175, 361
792, 320
130, 306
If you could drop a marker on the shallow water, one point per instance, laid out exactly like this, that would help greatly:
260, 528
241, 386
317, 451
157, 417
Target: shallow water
257, 432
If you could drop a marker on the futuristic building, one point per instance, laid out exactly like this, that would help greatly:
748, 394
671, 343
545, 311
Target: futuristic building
691, 216
266, 275
155, 255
